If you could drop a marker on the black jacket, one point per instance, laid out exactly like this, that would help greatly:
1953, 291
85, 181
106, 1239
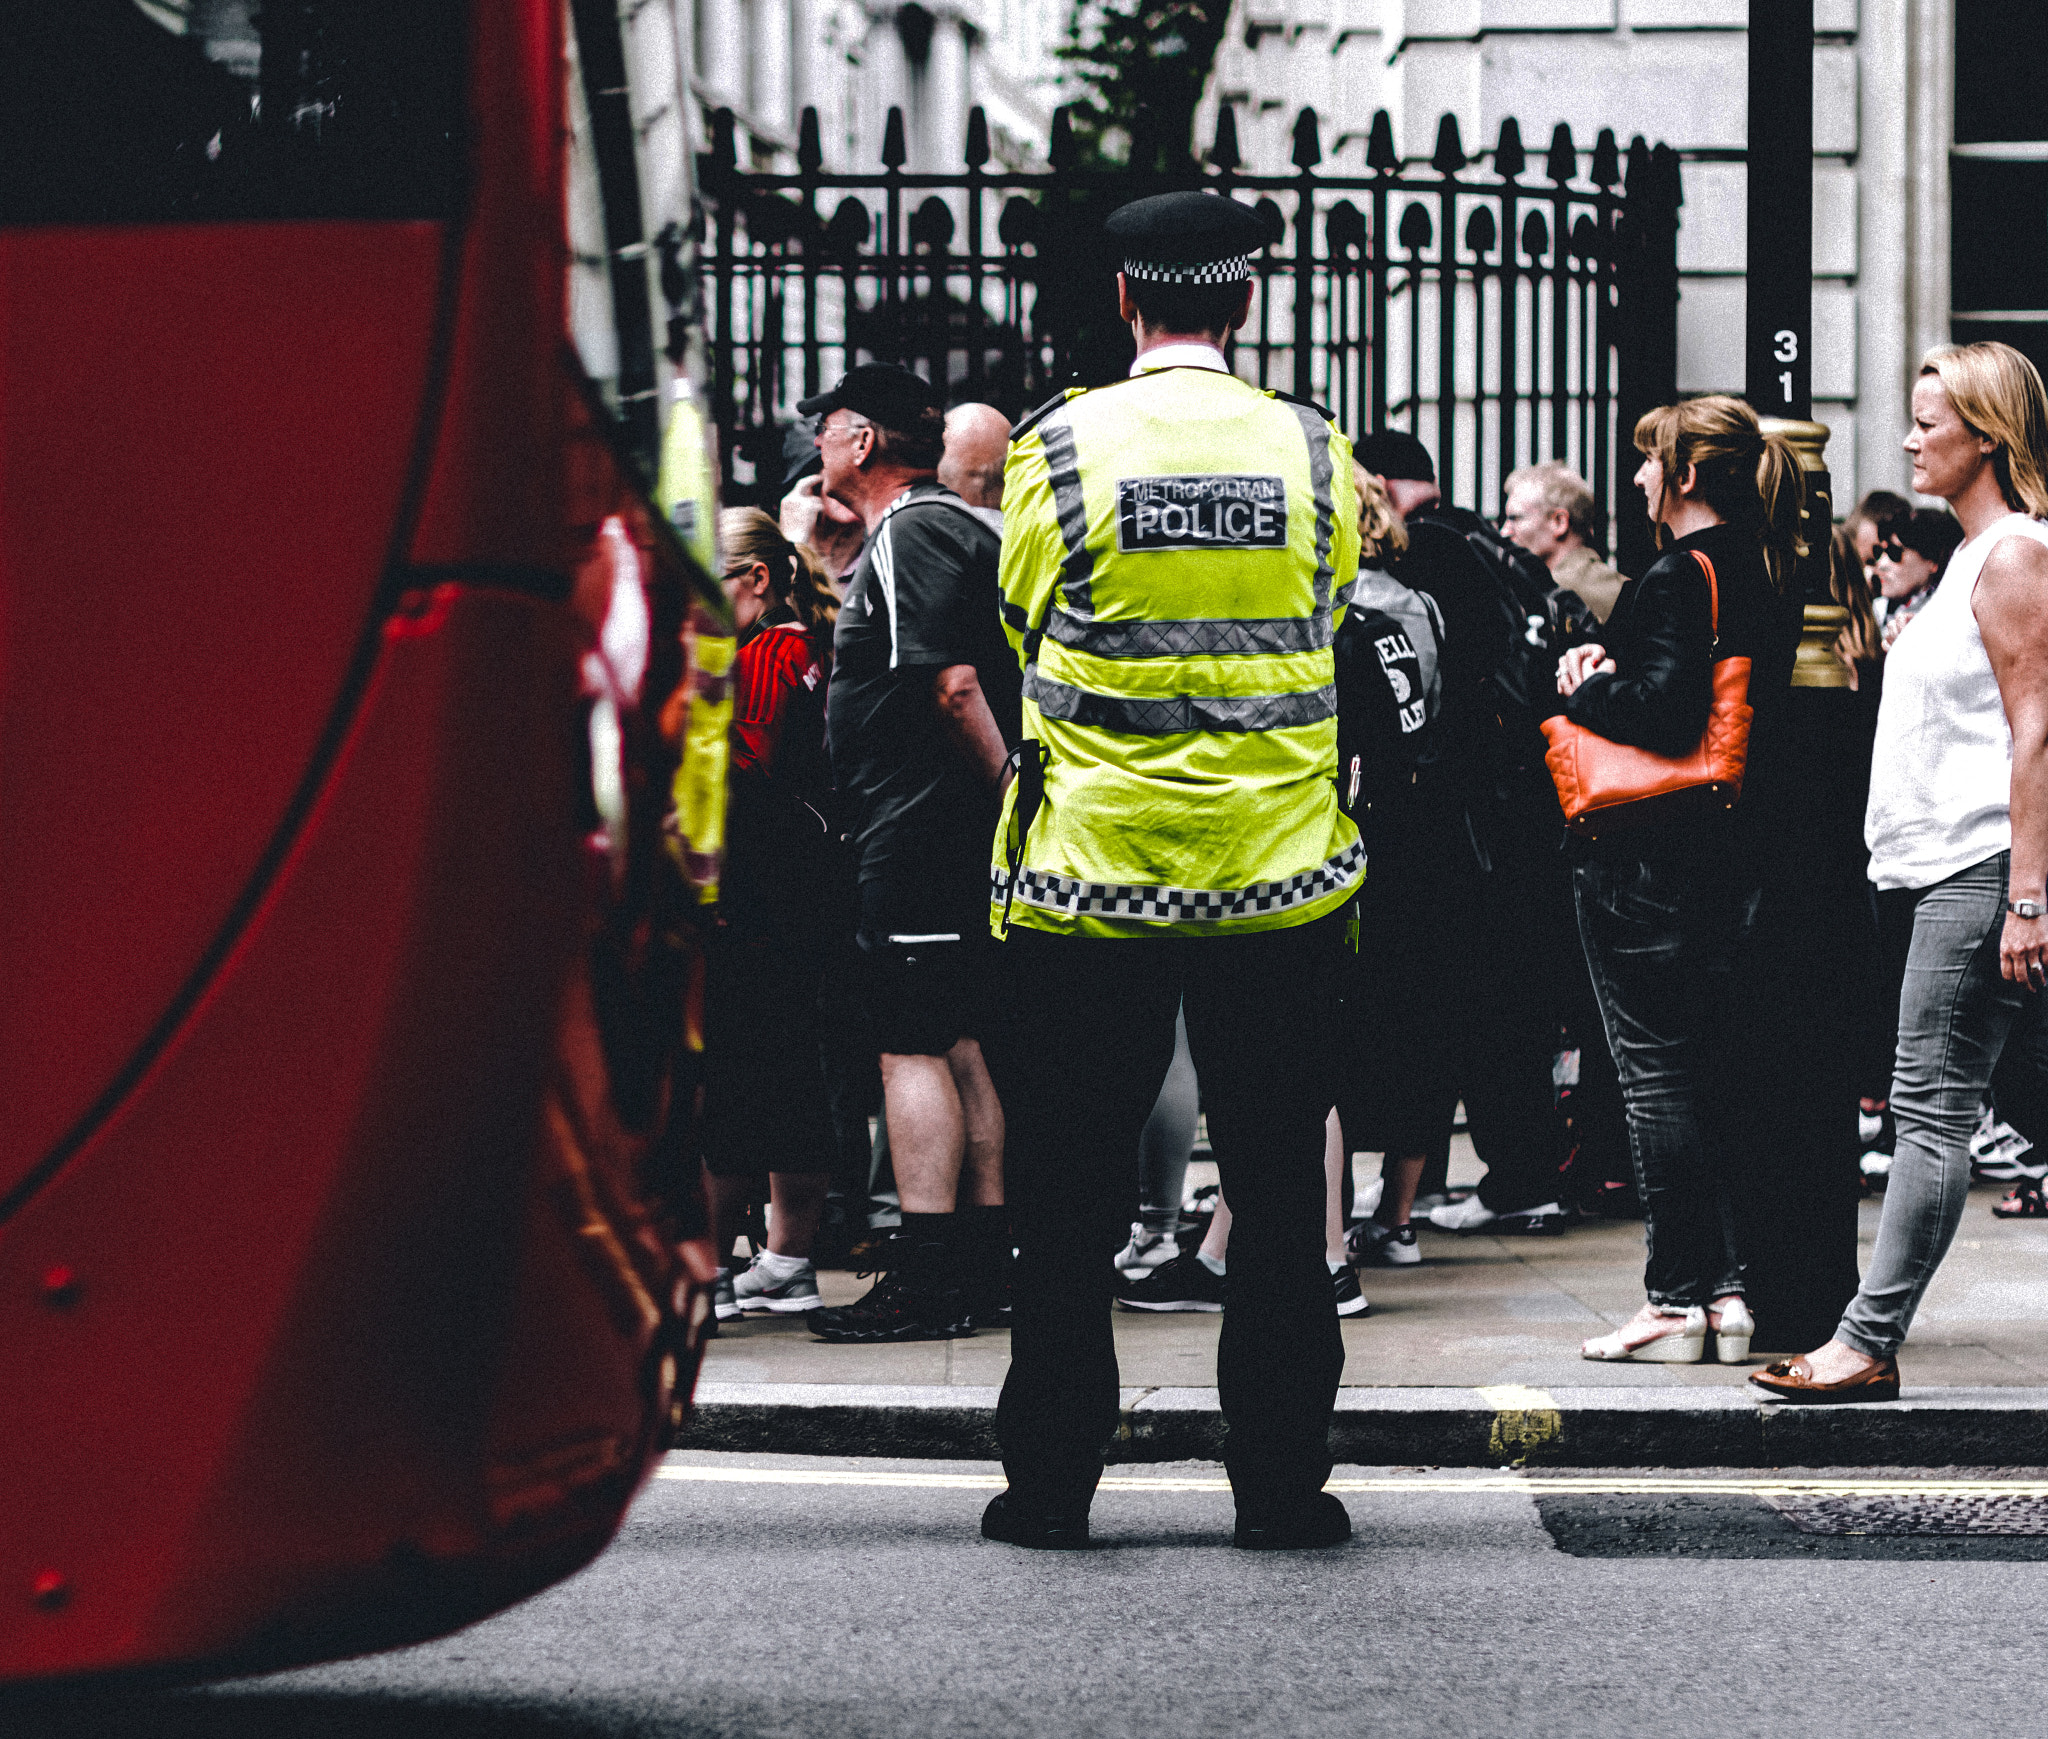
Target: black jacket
1663, 644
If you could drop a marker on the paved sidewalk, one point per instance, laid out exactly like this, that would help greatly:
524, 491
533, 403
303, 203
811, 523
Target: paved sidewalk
1485, 1330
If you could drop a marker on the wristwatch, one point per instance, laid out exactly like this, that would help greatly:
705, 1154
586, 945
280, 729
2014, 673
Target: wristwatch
2025, 908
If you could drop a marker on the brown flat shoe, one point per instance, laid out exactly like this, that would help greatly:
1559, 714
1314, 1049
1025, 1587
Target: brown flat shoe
1792, 1380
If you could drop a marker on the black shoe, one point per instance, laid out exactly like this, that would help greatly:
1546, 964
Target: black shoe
1185, 1283
984, 1281
896, 1310
1044, 1530
1323, 1523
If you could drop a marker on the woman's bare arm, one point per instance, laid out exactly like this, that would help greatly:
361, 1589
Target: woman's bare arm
2011, 606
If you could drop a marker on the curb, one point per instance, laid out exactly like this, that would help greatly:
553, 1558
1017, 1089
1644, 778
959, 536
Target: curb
1449, 1427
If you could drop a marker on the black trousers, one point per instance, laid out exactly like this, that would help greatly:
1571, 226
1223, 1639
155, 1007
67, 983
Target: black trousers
1078, 1066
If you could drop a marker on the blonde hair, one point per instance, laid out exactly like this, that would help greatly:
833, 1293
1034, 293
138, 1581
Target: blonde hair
1749, 478
1381, 535
796, 578
1997, 391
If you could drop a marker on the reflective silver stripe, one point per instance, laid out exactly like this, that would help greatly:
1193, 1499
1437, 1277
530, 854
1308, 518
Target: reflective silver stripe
1169, 715
1319, 471
1079, 899
1190, 639
1071, 506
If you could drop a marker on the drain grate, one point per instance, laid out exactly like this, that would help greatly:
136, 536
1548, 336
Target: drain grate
1989, 1513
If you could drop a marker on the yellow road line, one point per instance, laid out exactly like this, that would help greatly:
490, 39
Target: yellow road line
1397, 1485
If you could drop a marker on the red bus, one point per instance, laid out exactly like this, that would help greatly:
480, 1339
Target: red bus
345, 929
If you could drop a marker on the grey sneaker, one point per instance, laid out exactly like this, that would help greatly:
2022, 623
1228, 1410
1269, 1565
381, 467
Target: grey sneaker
723, 1304
753, 1290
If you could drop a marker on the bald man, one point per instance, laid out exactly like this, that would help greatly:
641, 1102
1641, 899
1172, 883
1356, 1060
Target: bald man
977, 440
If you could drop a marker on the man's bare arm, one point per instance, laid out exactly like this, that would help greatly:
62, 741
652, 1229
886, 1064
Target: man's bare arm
956, 691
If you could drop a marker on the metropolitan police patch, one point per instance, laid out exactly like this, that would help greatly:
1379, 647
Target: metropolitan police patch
1216, 511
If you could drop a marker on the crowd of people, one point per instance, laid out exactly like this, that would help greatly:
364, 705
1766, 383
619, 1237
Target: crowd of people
1449, 1016
966, 736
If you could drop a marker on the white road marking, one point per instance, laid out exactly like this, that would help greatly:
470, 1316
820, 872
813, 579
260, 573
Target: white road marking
1397, 1485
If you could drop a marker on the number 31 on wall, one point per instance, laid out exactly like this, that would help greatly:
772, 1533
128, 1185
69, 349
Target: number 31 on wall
1785, 348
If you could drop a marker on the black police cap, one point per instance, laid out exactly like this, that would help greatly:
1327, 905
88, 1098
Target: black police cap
1187, 238
887, 395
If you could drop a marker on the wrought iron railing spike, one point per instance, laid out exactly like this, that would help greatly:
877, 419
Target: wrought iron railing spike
994, 279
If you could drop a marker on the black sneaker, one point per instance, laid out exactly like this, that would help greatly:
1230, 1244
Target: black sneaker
896, 1310
1350, 1299
1322, 1522
1185, 1283
988, 1295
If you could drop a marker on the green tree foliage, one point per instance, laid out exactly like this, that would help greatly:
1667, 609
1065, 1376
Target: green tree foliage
1143, 65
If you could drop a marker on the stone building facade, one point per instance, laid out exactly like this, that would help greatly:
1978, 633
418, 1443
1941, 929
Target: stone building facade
1930, 156
853, 60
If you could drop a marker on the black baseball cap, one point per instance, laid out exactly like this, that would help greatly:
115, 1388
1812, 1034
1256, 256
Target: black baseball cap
1395, 453
892, 397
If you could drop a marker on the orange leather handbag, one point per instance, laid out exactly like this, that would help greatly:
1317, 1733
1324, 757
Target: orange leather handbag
1606, 786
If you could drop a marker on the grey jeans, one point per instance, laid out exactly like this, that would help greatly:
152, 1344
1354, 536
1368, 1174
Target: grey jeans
1962, 1029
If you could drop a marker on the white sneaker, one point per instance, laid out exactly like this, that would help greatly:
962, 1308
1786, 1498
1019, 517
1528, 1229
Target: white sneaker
1146, 1250
1466, 1216
1365, 1200
1875, 1165
756, 1290
1472, 1215
2000, 1151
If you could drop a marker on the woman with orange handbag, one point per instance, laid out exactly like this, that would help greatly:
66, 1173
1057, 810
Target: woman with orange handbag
1668, 883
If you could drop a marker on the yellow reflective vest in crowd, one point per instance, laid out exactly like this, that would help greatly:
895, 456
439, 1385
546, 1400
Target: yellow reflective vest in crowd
1176, 553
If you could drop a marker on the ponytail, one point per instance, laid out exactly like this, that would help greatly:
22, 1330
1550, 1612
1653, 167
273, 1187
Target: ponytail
1781, 493
796, 577
810, 593
1750, 479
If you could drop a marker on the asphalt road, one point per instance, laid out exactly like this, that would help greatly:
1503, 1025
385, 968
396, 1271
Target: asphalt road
757, 1597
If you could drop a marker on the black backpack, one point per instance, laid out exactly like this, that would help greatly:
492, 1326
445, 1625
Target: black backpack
1532, 635
1387, 719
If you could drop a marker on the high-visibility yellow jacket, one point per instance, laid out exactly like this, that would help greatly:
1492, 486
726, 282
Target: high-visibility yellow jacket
1177, 549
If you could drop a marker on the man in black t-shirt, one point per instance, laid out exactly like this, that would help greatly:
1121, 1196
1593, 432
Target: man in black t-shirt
923, 712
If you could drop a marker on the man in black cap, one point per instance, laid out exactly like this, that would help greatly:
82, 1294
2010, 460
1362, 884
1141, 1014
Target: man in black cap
1177, 549
922, 714
1501, 929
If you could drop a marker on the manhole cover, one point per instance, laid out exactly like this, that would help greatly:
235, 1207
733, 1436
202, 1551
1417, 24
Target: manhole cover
1990, 1513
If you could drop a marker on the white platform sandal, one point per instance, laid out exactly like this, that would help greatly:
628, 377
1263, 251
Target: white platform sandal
1733, 1328
1682, 1340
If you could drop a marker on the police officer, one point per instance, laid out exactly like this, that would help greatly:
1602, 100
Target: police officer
1177, 549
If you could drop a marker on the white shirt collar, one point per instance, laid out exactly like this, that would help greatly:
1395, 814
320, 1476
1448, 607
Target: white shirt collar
1196, 355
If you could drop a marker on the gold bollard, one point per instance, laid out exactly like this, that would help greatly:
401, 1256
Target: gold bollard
1815, 664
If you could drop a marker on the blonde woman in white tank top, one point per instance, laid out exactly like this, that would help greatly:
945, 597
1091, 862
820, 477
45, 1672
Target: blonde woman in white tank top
1959, 815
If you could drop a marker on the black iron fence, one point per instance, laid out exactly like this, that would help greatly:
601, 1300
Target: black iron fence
1501, 319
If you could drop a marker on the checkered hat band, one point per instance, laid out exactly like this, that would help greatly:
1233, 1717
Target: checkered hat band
1233, 270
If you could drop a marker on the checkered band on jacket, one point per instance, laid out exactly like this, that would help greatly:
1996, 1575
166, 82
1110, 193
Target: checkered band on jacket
1059, 893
